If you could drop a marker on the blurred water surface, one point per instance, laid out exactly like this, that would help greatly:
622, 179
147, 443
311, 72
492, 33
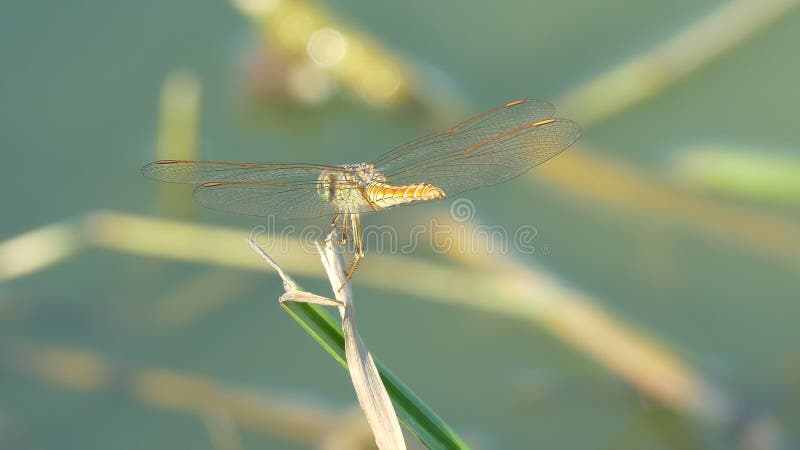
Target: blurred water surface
80, 90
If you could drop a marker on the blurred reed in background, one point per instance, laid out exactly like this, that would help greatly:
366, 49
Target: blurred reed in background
303, 54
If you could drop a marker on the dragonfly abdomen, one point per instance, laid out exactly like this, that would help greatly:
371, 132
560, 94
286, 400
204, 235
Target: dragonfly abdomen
385, 195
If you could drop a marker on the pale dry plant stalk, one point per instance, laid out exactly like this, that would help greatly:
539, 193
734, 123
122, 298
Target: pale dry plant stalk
370, 391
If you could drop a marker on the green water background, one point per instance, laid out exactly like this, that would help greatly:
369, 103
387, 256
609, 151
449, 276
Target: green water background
79, 87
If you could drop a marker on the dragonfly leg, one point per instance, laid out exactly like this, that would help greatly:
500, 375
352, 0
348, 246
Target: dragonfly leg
350, 270
343, 239
334, 224
358, 248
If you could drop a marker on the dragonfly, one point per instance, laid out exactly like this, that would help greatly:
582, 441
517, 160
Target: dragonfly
490, 148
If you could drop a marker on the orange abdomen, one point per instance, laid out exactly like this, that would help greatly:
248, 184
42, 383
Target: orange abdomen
385, 195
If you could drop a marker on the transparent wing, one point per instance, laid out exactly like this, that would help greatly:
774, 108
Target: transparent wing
255, 189
487, 149
296, 202
198, 172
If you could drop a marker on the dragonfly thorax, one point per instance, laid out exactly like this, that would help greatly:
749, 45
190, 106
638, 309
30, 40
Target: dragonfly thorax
346, 188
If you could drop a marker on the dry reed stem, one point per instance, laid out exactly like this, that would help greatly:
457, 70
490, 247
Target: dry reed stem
370, 391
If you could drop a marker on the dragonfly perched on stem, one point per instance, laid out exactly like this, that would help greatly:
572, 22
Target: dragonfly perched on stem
490, 148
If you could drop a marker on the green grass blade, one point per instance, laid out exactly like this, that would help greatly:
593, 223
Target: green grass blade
417, 416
